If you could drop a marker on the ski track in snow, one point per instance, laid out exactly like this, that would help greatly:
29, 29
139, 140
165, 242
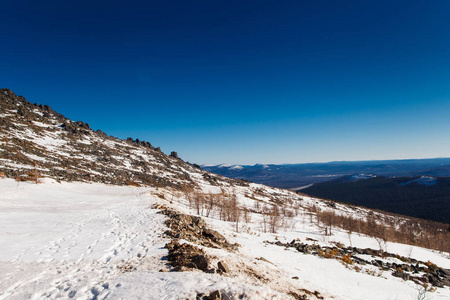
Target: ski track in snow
82, 254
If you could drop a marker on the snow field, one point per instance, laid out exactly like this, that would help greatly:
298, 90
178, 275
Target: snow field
62, 240
94, 241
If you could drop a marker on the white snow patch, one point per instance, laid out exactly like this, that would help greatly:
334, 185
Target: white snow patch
236, 167
40, 124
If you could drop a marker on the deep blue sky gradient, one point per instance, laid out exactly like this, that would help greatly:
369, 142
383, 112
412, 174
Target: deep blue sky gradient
241, 81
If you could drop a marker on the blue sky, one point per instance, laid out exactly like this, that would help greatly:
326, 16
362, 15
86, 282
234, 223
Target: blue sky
241, 81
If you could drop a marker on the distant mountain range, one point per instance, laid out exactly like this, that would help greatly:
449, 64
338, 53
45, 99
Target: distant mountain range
414, 187
293, 176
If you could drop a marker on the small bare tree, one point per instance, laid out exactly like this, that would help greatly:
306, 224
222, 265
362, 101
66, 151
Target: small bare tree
247, 215
235, 211
198, 203
274, 219
264, 220
210, 201
257, 205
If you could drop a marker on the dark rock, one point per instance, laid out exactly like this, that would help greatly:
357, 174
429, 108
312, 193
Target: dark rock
72, 294
215, 295
201, 262
185, 256
377, 263
223, 267
402, 275
83, 125
213, 236
409, 268
263, 259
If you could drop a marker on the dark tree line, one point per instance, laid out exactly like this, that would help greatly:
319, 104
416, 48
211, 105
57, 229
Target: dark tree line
431, 202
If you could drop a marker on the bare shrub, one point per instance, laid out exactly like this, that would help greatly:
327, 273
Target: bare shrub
210, 202
411, 231
198, 203
274, 219
265, 218
257, 205
246, 215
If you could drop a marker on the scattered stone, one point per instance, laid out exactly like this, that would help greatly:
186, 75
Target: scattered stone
263, 259
72, 294
400, 274
201, 262
215, 295
223, 267
310, 239
317, 294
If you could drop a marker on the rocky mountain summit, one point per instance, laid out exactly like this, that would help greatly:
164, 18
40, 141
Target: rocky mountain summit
36, 141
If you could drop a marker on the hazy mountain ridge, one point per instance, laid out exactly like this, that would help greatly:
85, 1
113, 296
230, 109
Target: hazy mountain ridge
297, 175
362, 183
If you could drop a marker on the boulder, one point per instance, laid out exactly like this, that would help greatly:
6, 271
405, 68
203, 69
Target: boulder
223, 267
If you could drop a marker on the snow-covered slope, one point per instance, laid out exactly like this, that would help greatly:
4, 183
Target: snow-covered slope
96, 241
88, 216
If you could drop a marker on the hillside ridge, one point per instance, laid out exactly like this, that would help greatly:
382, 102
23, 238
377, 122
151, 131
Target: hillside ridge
36, 141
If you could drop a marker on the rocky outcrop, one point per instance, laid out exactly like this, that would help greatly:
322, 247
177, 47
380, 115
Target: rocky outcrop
411, 269
185, 257
195, 230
